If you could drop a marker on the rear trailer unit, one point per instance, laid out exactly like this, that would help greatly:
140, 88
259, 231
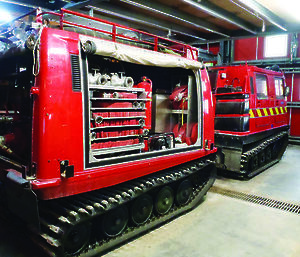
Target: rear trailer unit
251, 121
96, 147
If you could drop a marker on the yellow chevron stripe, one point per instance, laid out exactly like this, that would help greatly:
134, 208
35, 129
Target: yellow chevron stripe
263, 112
259, 113
251, 113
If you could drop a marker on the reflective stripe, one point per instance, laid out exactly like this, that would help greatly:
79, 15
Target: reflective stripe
258, 112
265, 112
251, 113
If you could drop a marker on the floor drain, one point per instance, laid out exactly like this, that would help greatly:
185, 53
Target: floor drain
289, 207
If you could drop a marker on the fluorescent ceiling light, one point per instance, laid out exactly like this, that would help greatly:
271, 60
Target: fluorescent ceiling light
5, 16
216, 14
171, 16
253, 5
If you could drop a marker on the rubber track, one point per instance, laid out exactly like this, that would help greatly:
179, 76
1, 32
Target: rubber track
88, 206
247, 156
256, 199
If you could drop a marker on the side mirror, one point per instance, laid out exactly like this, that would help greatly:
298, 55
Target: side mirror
286, 91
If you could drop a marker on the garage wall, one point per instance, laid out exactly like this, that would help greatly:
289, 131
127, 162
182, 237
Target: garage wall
293, 80
252, 51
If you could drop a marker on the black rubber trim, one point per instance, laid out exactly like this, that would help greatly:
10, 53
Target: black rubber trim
232, 96
236, 124
232, 107
238, 141
135, 157
86, 107
76, 78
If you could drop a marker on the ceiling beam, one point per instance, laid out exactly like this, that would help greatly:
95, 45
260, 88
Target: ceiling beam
164, 10
125, 14
35, 4
220, 13
265, 13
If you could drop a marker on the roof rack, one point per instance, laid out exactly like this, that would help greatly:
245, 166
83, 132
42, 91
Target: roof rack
117, 33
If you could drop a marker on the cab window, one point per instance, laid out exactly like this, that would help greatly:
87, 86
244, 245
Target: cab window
261, 86
279, 87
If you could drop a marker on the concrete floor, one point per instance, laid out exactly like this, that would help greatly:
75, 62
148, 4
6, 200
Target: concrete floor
219, 227
281, 182
226, 227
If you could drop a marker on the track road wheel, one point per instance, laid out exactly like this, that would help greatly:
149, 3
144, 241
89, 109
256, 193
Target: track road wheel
262, 157
269, 153
164, 200
115, 221
141, 209
76, 238
254, 163
276, 149
184, 192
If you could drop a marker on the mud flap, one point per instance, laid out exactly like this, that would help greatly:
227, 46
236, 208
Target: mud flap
21, 200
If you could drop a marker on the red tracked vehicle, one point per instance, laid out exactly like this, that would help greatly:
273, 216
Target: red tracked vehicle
82, 163
251, 122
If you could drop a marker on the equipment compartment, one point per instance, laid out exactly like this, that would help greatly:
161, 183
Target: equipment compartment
123, 119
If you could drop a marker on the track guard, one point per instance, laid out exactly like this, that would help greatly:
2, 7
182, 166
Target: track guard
21, 200
232, 159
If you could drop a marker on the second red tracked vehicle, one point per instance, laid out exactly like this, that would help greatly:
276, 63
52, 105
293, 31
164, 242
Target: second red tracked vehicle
251, 122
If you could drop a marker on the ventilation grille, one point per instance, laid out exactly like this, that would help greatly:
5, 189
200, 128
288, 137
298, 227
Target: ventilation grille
76, 80
284, 206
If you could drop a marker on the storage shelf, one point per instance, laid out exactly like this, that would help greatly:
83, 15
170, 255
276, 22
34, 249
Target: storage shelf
119, 99
122, 118
116, 127
116, 109
118, 149
113, 138
9, 112
128, 89
179, 111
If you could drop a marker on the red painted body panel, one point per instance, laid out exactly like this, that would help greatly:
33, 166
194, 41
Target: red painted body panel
92, 179
57, 108
296, 89
208, 108
58, 132
293, 81
295, 122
